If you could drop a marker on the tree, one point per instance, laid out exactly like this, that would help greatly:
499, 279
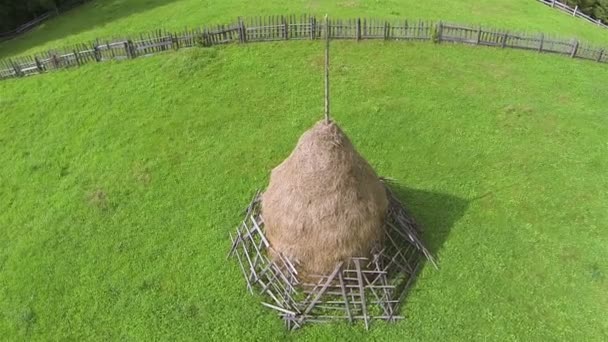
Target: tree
16, 12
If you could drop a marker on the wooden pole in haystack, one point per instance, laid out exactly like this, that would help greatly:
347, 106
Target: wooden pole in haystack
326, 70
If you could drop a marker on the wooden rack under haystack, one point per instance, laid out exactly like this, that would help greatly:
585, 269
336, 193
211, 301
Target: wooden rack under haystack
360, 289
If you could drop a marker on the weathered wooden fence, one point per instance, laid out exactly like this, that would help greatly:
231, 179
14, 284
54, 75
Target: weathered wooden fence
292, 27
575, 12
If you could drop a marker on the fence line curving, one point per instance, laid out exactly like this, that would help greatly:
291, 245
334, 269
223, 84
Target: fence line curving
292, 27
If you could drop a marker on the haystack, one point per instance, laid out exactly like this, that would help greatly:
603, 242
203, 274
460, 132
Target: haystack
334, 232
324, 204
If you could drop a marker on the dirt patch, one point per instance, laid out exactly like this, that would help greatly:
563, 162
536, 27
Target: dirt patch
313, 5
514, 117
317, 62
518, 110
564, 99
349, 4
141, 173
98, 199
569, 255
29, 318
64, 171
549, 124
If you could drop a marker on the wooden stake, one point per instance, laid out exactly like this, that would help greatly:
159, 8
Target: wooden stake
326, 70
321, 291
344, 297
361, 293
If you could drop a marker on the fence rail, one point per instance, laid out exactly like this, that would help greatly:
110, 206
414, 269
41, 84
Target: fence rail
273, 28
576, 12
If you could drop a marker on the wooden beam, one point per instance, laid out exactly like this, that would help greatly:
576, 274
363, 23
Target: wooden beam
345, 297
327, 119
321, 292
362, 293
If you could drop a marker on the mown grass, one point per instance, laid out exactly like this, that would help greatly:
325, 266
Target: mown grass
120, 182
116, 18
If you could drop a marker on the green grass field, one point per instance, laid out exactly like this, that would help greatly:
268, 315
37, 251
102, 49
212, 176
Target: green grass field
120, 181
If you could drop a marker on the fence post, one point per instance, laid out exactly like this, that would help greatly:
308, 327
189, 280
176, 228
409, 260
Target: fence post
17, 69
542, 40
174, 41
285, 28
76, 57
242, 31
478, 36
599, 58
439, 31
574, 49
553, 3
96, 53
38, 64
56, 60
313, 30
209, 34
205, 38
386, 30
133, 49
503, 44
575, 10
130, 48
127, 50
110, 49
169, 38
358, 29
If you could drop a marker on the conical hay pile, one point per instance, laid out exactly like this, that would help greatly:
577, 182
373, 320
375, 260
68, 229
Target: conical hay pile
324, 203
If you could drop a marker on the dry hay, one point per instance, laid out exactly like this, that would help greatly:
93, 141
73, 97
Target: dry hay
325, 203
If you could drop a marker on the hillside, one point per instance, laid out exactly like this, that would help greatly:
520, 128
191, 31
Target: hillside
104, 18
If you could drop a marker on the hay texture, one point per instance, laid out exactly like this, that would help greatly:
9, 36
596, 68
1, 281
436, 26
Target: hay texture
324, 203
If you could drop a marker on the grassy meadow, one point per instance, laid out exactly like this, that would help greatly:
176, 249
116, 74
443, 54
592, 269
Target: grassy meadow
120, 181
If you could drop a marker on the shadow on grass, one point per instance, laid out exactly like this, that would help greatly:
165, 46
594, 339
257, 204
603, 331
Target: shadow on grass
435, 213
79, 19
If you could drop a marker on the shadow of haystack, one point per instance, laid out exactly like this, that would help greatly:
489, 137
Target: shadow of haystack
436, 213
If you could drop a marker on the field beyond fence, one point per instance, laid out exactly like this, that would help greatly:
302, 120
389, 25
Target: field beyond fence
292, 27
575, 12
40, 19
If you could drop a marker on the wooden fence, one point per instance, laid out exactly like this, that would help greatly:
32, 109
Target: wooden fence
575, 12
292, 27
